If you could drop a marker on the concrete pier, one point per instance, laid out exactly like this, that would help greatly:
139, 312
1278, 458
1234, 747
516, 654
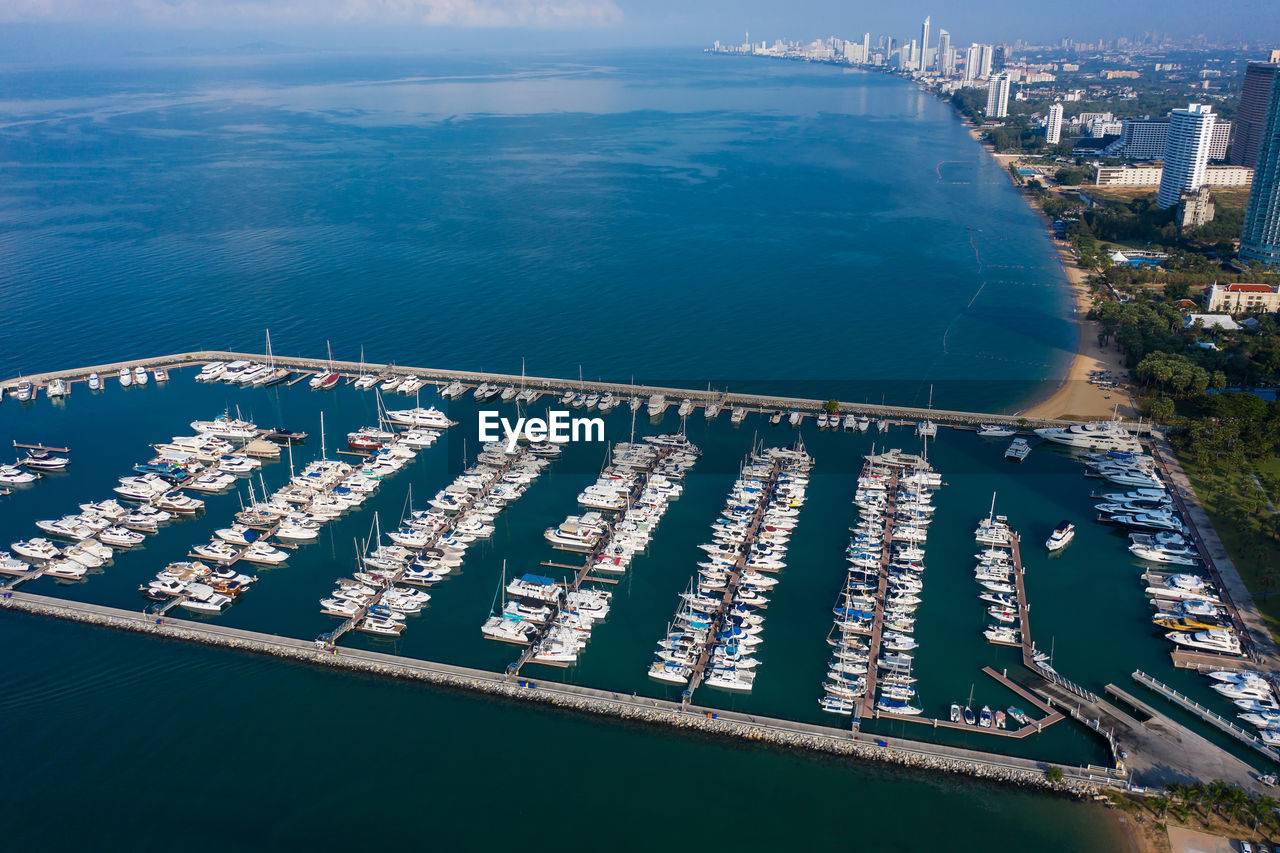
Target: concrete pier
441, 377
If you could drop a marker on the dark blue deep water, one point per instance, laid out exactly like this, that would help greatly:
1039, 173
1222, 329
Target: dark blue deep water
663, 215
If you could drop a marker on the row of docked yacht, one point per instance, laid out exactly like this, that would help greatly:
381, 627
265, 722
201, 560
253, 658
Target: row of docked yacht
625, 505
1131, 469
718, 626
102, 526
198, 588
250, 374
994, 572
883, 587
538, 611
428, 545
1253, 695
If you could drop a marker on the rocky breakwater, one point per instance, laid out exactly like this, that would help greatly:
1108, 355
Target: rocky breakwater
598, 703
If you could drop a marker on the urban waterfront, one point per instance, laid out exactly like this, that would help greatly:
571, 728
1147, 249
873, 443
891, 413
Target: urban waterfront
980, 301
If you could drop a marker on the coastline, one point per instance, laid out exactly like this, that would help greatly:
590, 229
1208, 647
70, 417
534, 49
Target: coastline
1074, 397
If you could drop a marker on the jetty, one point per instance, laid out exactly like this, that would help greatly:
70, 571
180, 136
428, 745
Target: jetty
469, 379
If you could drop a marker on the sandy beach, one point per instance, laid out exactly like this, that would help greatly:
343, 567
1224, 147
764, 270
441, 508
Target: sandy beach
1075, 398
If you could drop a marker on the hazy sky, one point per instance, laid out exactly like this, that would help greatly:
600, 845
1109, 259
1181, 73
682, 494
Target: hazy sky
551, 23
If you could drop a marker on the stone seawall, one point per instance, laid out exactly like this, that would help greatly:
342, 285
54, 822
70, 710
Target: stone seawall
624, 708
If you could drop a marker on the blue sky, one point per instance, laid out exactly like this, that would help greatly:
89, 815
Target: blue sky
553, 23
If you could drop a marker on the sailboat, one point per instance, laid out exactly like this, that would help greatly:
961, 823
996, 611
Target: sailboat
326, 379
502, 626
274, 375
366, 380
927, 428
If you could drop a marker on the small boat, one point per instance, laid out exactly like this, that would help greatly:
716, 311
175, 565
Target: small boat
995, 431
42, 460
985, 717
956, 714
161, 374
1018, 450
126, 378
95, 382
1061, 536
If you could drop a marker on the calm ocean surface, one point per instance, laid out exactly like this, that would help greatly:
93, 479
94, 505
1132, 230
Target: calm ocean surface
664, 215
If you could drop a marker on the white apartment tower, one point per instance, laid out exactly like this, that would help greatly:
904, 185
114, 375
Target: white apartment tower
1186, 153
978, 62
1053, 130
924, 45
945, 61
998, 96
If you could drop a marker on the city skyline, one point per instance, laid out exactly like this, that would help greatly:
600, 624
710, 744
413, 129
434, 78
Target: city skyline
331, 24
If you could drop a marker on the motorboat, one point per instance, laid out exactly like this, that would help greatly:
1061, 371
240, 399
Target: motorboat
38, 550
1018, 450
12, 475
1061, 536
120, 537
95, 382
211, 372
1213, 640
140, 375
126, 377
429, 418
57, 388
995, 431
24, 391
1103, 435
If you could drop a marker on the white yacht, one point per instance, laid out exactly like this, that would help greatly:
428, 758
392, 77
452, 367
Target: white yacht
140, 375
227, 427
57, 388
95, 382
431, 418
657, 405
1212, 640
1101, 435
126, 378
996, 431
211, 372
12, 475
1018, 450
1061, 536
36, 549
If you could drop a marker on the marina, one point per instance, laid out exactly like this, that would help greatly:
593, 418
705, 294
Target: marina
715, 642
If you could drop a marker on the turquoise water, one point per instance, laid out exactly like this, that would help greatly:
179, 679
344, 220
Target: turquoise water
669, 216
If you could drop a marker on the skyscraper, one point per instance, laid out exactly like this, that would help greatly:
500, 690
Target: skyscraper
1252, 112
1260, 240
998, 96
1186, 153
945, 63
1053, 130
977, 62
924, 45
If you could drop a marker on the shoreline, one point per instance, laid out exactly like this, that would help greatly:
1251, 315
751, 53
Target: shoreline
1074, 397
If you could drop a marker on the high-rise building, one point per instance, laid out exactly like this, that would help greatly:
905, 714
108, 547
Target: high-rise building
977, 62
1260, 240
924, 45
998, 57
1186, 153
998, 96
1053, 130
1253, 111
866, 47
945, 63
